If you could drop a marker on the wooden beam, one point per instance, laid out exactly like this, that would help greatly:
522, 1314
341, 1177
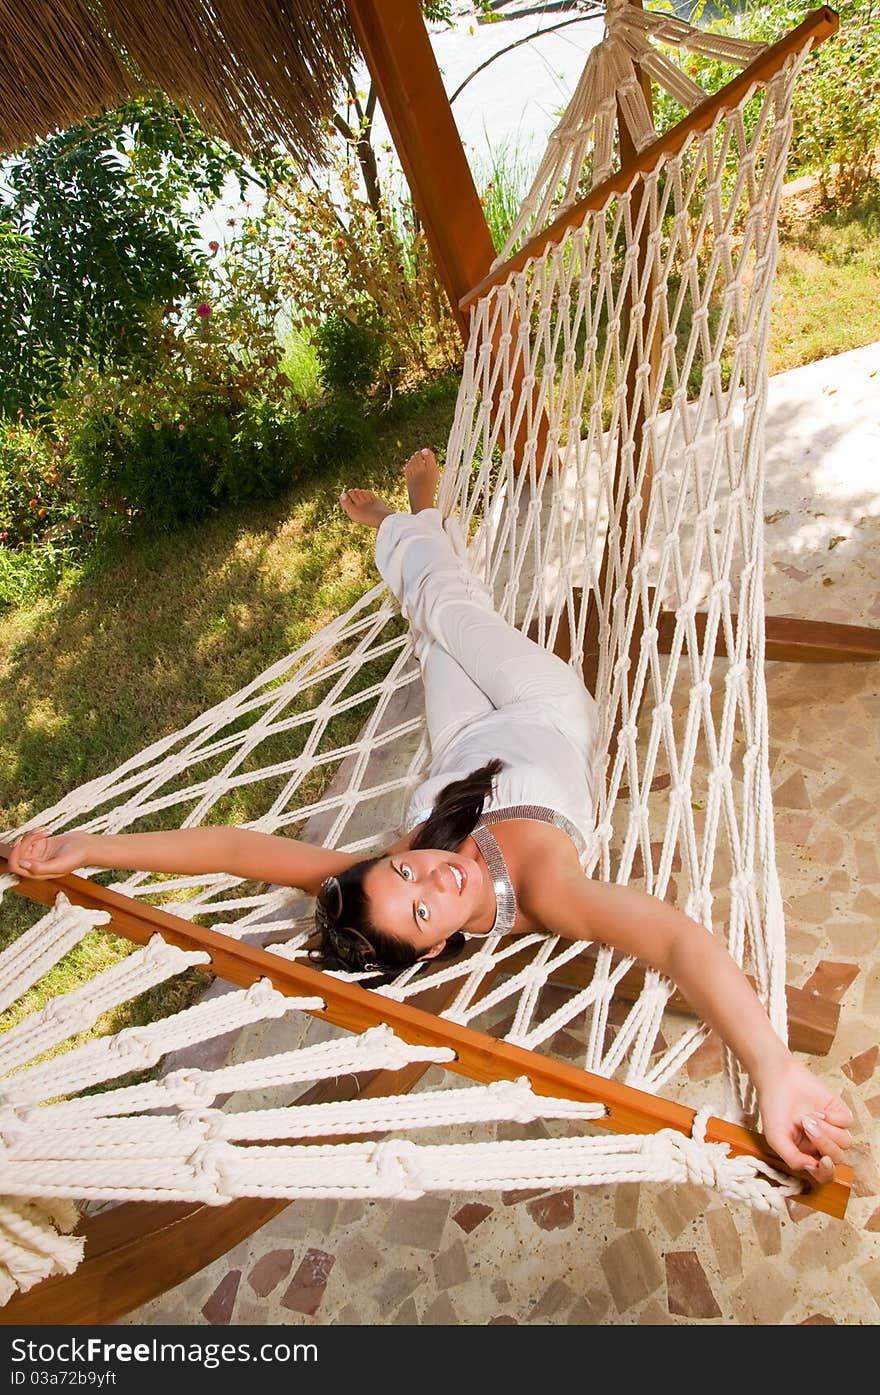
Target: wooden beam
819, 25
791, 640
477, 1056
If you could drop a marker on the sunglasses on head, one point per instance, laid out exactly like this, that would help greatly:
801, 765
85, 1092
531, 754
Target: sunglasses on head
350, 946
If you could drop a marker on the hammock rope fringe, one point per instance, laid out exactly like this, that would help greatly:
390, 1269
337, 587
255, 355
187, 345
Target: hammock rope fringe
630, 359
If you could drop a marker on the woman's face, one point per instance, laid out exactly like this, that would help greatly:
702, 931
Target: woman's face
423, 896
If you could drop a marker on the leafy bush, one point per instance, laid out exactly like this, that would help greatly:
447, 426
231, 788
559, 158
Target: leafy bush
34, 569
128, 466
267, 454
98, 239
351, 352
335, 250
32, 496
836, 106
334, 433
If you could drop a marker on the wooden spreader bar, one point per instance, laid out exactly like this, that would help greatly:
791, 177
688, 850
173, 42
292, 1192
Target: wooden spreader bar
477, 1056
819, 25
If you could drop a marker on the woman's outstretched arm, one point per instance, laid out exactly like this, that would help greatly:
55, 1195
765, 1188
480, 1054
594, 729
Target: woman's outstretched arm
803, 1120
239, 852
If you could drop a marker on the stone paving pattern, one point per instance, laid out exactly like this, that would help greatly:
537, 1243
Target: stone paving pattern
650, 1254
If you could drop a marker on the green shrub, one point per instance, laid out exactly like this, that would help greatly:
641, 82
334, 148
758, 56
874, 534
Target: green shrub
836, 104
33, 569
334, 434
32, 497
267, 454
350, 353
127, 466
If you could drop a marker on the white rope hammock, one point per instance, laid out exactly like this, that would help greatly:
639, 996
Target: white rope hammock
567, 447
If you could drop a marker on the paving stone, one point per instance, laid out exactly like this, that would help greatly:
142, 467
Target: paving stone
870, 1275
855, 938
418, 1223
687, 1288
833, 793
360, 1259
302, 1218
707, 1060
725, 1242
792, 793
678, 1205
218, 1309
768, 1230
631, 1268
441, 1313
396, 1285
268, 1271
861, 1068
513, 1198
626, 1204
470, 1215
407, 1315
553, 1212
827, 846
867, 861
873, 1221
818, 1320
873, 1106
349, 1212
451, 1267
765, 1295
509, 1131
797, 1212
831, 980
866, 1178
350, 1316
827, 1248
853, 812
590, 1309
552, 1301
309, 1282
655, 1315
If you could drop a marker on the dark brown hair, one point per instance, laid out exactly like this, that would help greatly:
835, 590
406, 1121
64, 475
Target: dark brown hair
350, 938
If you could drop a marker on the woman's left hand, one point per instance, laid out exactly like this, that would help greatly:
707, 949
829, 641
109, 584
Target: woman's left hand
804, 1121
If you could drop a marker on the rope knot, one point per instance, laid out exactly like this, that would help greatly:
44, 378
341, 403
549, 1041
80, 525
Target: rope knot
396, 1168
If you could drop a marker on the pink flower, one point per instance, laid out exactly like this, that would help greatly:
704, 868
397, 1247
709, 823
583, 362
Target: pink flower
214, 246
203, 310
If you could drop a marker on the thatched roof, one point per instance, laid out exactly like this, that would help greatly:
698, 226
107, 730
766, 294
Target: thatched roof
252, 70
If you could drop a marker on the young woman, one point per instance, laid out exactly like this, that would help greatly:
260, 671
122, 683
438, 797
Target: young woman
494, 834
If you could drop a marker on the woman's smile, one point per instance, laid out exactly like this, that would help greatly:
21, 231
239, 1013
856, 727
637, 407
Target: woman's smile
424, 895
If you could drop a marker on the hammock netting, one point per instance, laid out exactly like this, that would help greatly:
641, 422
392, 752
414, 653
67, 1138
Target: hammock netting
605, 463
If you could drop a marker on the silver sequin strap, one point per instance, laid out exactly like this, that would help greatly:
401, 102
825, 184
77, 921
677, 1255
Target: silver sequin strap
505, 897
541, 814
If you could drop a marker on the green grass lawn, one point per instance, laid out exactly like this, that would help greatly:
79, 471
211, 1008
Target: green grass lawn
151, 637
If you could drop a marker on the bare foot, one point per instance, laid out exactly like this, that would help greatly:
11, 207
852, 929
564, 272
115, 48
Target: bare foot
422, 474
363, 506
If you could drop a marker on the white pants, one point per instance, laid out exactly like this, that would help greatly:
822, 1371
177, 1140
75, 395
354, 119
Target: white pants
490, 691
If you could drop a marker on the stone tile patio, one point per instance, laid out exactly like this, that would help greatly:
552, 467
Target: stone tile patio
659, 1254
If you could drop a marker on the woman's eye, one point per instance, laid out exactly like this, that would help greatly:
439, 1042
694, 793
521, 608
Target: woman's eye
422, 911
406, 871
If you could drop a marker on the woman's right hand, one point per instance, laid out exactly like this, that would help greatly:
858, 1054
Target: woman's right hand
39, 854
